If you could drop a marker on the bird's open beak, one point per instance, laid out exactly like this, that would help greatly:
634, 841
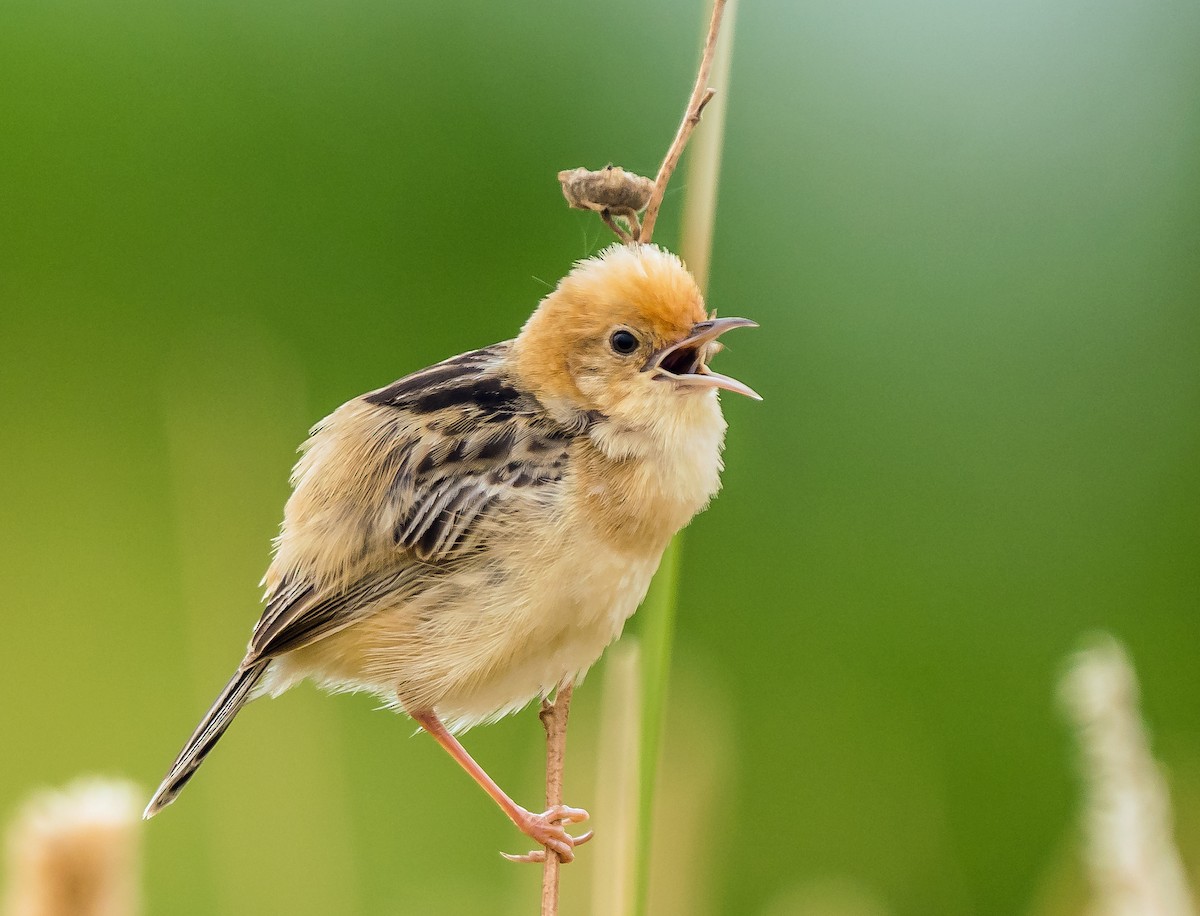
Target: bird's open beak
684, 362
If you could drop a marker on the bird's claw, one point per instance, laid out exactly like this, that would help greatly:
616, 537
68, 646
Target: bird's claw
548, 829
538, 856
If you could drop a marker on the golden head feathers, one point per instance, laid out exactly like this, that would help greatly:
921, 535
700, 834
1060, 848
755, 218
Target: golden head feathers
569, 349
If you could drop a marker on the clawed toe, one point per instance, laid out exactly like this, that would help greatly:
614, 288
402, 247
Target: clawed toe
538, 856
548, 830
564, 814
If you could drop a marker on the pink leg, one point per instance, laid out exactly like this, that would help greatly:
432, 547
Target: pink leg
546, 828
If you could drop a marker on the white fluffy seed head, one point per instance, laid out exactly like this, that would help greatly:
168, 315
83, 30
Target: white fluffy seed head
75, 852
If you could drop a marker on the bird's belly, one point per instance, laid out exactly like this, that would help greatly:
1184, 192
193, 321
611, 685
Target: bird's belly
565, 616
485, 641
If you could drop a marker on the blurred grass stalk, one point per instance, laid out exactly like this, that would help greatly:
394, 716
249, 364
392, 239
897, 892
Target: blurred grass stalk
76, 852
658, 611
616, 851
1133, 863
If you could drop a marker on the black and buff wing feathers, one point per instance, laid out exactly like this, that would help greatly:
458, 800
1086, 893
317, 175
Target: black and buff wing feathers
458, 442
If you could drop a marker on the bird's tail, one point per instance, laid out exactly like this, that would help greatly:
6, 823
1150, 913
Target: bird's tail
207, 734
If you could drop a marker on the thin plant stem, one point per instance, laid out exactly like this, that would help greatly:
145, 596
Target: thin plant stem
704, 165
554, 718
612, 224
700, 97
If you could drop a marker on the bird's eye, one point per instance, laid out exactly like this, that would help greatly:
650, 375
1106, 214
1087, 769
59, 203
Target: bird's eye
623, 342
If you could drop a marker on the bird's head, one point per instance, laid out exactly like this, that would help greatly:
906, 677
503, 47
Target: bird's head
625, 333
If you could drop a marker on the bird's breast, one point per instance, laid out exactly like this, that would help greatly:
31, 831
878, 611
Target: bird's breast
638, 488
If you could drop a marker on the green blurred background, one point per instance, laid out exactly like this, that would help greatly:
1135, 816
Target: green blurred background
971, 233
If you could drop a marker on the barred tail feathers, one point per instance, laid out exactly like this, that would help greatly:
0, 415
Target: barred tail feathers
208, 732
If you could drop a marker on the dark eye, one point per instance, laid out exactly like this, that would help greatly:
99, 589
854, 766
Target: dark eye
623, 342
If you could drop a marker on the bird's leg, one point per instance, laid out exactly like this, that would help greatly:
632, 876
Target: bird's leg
546, 829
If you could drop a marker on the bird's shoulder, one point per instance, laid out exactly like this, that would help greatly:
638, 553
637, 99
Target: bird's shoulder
418, 460
476, 379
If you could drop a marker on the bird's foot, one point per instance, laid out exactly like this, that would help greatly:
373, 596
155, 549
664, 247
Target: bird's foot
549, 829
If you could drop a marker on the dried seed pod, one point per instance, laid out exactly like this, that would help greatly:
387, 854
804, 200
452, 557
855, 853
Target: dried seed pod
611, 188
611, 192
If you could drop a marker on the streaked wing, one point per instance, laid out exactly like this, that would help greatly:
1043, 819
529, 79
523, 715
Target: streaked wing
297, 615
480, 444
430, 459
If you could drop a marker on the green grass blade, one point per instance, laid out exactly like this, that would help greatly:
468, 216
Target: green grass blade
659, 609
658, 631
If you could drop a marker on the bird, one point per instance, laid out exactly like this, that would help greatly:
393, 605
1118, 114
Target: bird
471, 537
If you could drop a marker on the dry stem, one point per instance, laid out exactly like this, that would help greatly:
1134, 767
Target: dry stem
554, 718
612, 192
612, 224
701, 95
